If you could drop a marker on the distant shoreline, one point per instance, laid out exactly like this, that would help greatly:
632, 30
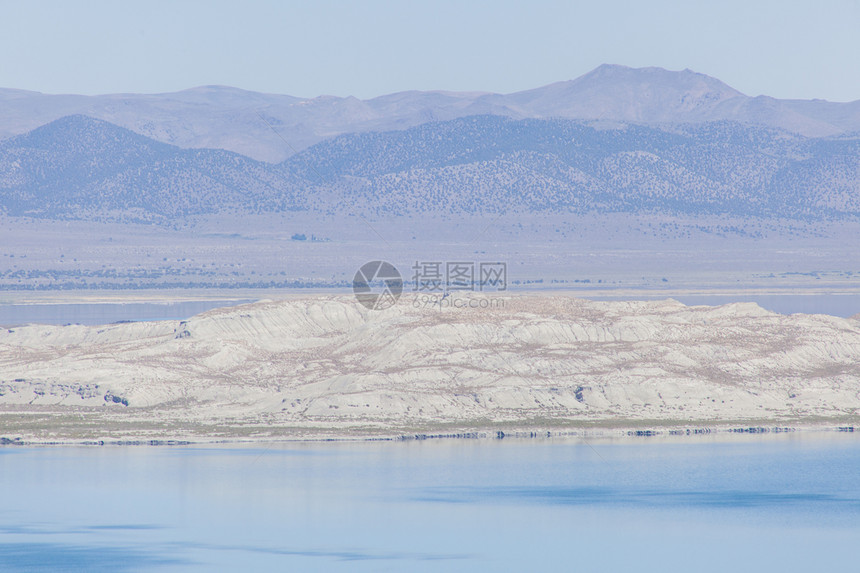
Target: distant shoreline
602, 434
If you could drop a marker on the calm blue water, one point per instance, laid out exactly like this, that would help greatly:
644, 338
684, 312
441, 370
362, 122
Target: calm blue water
106, 313
771, 503
844, 305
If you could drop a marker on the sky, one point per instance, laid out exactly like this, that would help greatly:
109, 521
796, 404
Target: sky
785, 49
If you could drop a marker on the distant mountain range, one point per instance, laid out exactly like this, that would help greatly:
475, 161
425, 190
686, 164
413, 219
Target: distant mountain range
245, 122
83, 168
489, 164
78, 167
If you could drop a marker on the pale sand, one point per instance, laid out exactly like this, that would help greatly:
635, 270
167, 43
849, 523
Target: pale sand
321, 367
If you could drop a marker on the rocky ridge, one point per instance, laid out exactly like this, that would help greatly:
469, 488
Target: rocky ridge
323, 365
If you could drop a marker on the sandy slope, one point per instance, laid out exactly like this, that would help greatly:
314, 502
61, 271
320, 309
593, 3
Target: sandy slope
325, 365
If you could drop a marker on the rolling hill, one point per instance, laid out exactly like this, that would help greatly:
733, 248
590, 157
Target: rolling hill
242, 121
83, 168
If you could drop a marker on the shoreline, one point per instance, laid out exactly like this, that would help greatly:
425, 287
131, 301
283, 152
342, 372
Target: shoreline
625, 434
326, 368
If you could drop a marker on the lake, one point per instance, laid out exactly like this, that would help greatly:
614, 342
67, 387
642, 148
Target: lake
106, 312
843, 305
788, 502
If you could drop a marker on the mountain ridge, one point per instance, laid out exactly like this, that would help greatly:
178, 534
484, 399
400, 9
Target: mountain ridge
81, 168
268, 367
243, 121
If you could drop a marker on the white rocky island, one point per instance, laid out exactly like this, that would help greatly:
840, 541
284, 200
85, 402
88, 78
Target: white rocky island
323, 367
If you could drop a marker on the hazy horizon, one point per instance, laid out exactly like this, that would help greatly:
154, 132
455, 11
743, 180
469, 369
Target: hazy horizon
367, 50
227, 87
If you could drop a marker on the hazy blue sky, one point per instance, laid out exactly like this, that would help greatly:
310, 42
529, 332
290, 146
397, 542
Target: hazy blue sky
308, 48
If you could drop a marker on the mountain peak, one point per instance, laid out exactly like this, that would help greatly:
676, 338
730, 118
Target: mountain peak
657, 76
228, 96
75, 125
622, 93
225, 117
82, 132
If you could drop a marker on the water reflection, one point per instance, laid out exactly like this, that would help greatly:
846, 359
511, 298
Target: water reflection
71, 557
783, 502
